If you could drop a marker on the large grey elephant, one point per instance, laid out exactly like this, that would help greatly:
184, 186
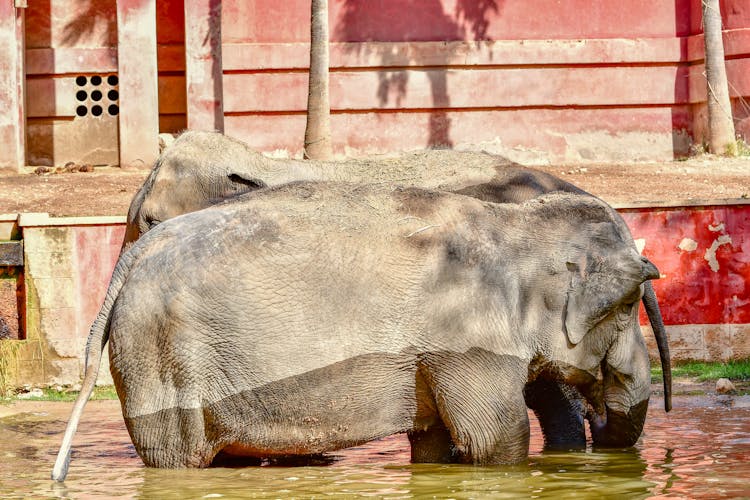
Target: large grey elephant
204, 168
313, 317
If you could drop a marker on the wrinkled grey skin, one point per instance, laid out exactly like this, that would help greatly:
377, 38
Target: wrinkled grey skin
313, 317
204, 168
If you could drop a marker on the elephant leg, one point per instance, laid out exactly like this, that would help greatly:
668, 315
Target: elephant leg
560, 410
172, 439
479, 397
432, 445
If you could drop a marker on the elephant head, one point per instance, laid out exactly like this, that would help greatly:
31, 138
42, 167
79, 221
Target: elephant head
199, 169
603, 353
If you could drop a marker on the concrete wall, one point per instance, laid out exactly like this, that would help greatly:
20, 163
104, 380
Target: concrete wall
703, 253
67, 266
12, 92
535, 80
68, 44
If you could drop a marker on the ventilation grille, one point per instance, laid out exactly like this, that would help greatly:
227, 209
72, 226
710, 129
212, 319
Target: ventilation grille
97, 95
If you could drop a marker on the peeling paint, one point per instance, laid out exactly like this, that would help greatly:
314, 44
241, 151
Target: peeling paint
710, 255
701, 284
688, 245
640, 244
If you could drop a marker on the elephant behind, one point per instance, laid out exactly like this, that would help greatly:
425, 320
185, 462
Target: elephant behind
313, 317
203, 168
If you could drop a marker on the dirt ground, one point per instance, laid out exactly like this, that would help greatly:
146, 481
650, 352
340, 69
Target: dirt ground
108, 191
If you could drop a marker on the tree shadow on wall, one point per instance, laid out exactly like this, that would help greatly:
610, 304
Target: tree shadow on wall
95, 24
414, 21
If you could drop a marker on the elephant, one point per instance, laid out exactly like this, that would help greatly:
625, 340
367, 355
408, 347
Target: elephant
311, 317
203, 168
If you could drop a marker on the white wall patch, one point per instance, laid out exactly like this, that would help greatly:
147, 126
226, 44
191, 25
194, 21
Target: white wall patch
710, 254
687, 245
640, 244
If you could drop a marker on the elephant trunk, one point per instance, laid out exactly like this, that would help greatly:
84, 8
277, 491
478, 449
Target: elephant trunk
618, 429
618, 412
660, 333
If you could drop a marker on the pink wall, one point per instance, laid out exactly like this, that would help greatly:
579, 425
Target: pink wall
606, 80
95, 253
438, 20
65, 40
609, 80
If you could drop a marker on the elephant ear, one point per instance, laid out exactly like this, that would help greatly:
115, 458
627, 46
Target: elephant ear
598, 285
241, 183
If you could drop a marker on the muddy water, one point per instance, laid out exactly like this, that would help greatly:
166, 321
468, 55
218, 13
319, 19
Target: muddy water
700, 450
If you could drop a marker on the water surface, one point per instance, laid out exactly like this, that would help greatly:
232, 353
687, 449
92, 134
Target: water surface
699, 450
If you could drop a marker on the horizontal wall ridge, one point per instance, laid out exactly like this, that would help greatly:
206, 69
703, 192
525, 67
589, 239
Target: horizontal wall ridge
468, 67
662, 50
290, 56
468, 109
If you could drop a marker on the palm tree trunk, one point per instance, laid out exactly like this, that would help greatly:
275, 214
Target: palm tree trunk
720, 124
318, 129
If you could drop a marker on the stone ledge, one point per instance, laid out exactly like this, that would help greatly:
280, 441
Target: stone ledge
43, 219
703, 342
687, 203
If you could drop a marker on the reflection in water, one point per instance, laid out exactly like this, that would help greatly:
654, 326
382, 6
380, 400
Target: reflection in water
701, 449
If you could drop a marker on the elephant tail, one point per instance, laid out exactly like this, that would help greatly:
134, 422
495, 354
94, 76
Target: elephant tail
660, 333
98, 336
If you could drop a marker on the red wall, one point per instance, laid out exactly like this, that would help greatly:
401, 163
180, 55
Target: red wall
170, 37
703, 254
